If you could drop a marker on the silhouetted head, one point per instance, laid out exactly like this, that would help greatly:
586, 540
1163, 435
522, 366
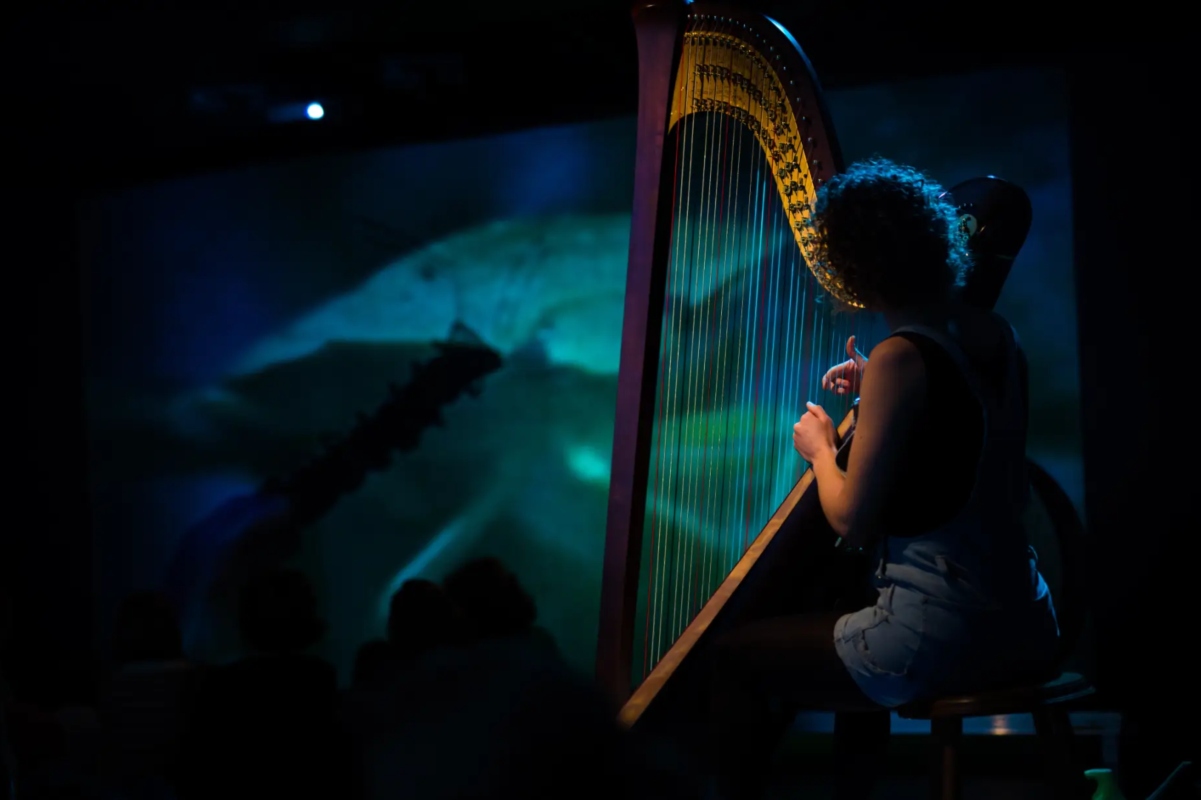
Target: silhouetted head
373, 663
146, 629
885, 231
277, 612
491, 599
420, 618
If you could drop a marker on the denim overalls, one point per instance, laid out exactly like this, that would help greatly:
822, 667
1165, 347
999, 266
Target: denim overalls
962, 607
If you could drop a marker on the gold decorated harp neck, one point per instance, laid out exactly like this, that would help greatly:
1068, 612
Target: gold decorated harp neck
749, 70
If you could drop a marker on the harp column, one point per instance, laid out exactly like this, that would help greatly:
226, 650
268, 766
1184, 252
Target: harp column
659, 31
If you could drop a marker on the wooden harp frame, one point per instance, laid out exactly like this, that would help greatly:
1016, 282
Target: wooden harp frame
811, 157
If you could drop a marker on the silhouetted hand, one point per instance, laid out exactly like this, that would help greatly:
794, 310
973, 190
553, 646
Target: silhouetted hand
845, 378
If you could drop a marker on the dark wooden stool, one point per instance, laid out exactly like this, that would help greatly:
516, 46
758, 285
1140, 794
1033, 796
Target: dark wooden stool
1047, 702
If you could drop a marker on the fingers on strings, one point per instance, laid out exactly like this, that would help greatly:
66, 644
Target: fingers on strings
836, 385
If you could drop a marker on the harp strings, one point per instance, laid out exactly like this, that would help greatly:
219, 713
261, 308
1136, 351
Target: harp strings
746, 339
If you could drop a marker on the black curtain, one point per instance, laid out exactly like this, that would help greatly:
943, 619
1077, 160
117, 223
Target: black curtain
1135, 254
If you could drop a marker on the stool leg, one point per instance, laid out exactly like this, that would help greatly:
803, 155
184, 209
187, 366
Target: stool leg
946, 783
1056, 738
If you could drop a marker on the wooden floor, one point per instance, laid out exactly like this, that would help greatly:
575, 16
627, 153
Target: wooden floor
1001, 759
913, 788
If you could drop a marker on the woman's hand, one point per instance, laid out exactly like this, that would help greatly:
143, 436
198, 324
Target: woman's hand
813, 435
845, 378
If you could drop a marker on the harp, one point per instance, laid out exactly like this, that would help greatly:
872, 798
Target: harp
729, 327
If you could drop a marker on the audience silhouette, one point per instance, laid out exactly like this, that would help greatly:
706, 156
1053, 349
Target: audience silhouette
264, 725
464, 698
421, 618
146, 629
484, 708
374, 665
147, 702
494, 604
491, 599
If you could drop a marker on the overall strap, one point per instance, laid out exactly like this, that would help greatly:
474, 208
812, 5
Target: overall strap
957, 354
950, 347
992, 403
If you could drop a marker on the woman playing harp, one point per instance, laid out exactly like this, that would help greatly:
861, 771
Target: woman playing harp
935, 484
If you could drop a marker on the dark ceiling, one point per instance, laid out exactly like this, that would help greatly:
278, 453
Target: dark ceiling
131, 91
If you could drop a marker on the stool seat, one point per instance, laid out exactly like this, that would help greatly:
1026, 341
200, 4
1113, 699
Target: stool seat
1019, 699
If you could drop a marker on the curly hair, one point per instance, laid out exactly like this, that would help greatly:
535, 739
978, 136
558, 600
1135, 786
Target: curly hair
885, 231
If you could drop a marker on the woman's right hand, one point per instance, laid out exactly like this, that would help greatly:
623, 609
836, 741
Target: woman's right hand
845, 378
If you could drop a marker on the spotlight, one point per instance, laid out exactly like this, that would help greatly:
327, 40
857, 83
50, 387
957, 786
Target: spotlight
315, 111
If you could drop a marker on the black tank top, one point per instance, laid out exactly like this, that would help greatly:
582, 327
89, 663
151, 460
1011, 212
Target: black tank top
940, 471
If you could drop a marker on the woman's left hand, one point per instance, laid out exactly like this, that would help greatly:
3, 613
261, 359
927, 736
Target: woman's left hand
813, 433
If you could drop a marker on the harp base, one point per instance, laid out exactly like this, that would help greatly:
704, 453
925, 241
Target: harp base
802, 570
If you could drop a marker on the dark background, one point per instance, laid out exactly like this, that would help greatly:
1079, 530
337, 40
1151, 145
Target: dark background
106, 93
